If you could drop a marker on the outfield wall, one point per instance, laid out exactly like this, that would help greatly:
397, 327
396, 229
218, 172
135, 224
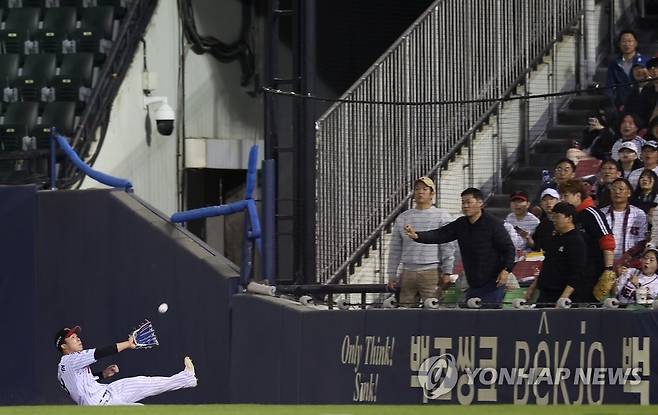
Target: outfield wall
283, 352
105, 260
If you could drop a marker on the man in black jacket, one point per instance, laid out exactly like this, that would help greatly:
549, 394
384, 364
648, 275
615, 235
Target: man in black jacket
565, 258
486, 247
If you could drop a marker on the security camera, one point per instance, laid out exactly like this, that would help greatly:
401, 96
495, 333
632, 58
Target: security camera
164, 115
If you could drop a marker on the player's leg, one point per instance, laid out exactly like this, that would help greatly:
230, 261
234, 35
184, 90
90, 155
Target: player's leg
135, 389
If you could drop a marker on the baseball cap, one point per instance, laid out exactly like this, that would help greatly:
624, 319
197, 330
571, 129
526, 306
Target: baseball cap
427, 182
652, 63
650, 143
64, 333
549, 192
651, 247
638, 65
629, 145
519, 195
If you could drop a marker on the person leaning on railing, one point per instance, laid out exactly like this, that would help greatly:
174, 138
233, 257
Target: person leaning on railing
565, 260
424, 267
599, 275
486, 248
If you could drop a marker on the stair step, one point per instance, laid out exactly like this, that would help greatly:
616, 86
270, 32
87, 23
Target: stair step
553, 146
499, 200
566, 131
546, 160
588, 102
574, 116
530, 186
530, 172
498, 212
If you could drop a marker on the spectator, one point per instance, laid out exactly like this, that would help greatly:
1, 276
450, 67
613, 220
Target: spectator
487, 250
628, 159
544, 230
564, 259
646, 105
628, 128
596, 142
610, 170
649, 159
423, 266
599, 241
628, 223
632, 279
619, 71
634, 101
565, 169
523, 222
644, 196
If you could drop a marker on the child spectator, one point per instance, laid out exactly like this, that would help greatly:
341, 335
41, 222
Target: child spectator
632, 279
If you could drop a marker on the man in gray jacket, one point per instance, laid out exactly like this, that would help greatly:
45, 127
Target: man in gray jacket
422, 266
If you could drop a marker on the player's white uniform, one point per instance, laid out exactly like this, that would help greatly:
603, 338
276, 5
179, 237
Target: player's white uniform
74, 374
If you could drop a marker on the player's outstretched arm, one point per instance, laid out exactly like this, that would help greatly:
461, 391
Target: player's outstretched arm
115, 348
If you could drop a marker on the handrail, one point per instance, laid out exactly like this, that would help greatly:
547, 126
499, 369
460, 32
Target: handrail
252, 224
99, 105
103, 178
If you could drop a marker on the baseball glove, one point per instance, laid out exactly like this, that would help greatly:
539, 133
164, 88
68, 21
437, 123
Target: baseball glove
144, 336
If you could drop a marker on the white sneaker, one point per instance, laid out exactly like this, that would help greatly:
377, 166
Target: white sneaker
189, 366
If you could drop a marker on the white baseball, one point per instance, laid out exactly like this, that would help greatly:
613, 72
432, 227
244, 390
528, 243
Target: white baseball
163, 308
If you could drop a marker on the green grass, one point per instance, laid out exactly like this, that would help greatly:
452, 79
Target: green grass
331, 410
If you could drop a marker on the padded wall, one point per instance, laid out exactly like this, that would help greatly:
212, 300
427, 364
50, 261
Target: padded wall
104, 260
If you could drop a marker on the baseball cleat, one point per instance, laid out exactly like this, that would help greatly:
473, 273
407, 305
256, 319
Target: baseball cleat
189, 366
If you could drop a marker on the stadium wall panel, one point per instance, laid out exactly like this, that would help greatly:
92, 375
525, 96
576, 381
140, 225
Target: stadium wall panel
297, 354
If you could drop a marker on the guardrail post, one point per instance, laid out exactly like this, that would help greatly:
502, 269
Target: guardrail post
53, 167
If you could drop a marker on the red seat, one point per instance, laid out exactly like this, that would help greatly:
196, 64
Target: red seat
587, 167
527, 270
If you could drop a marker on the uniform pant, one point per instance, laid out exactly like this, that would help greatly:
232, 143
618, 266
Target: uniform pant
130, 390
418, 282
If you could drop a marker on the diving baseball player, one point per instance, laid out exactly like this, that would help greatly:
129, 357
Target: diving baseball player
75, 376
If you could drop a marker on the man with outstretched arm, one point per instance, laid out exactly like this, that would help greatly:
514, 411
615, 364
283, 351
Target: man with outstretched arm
487, 250
75, 376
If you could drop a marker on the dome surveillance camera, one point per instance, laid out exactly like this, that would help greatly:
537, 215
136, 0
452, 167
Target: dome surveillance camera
164, 119
164, 115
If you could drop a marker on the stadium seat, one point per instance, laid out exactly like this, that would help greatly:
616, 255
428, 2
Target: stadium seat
526, 271
19, 119
95, 28
8, 69
58, 24
75, 72
20, 25
38, 72
587, 167
60, 115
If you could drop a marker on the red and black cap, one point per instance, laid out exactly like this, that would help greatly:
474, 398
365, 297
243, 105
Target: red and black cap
519, 195
64, 333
